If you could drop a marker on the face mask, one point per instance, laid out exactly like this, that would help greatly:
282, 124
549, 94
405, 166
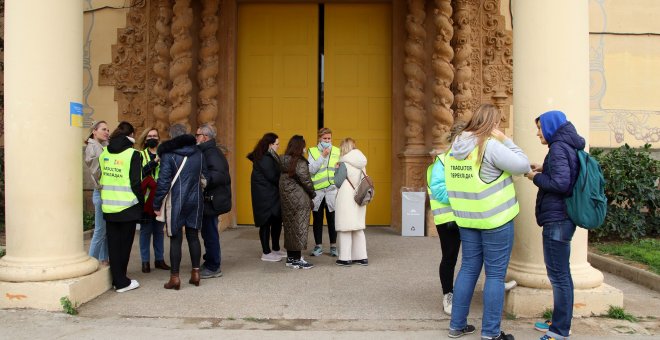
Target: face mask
151, 143
325, 145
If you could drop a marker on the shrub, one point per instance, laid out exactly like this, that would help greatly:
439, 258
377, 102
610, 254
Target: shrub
631, 187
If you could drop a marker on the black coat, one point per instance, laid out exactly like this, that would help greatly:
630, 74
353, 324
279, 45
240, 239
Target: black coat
296, 194
218, 185
264, 185
134, 213
560, 170
187, 198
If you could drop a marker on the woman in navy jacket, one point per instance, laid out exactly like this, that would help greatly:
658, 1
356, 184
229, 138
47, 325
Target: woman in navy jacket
555, 180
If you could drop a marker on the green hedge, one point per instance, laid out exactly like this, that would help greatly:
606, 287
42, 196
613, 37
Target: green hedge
631, 186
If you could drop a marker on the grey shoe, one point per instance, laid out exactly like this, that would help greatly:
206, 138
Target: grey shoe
209, 274
333, 251
318, 250
457, 333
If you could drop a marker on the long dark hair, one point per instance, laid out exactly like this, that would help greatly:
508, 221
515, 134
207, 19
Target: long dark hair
262, 146
123, 129
294, 149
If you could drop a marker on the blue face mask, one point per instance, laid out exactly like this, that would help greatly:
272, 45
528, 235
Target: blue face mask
326, 145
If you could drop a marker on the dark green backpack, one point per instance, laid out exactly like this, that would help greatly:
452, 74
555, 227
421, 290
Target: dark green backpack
587, 206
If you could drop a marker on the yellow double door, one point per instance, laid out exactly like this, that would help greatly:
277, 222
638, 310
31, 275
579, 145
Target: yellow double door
278, 86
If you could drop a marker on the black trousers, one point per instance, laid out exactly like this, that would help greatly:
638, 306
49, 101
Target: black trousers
120, 242
450, 243
272, 228
317, 217
193, 246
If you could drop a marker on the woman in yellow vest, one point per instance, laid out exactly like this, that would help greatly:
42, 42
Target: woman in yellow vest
149, 226
121, 174
323, 160
478, 174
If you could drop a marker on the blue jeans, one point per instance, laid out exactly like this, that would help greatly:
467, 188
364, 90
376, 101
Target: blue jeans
491, 248
211, 239
150, 226
556, 253
98, 247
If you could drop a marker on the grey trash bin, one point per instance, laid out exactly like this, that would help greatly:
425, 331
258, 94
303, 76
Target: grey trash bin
412, 211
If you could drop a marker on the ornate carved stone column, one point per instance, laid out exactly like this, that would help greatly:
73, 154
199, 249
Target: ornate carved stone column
181, 54
45, 257
128, 70
414, 157
462, 63
208, 64
161, 67
496, 59
542, 84
443, 73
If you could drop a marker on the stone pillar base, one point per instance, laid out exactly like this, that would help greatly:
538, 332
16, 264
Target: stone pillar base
531, 302
46, 294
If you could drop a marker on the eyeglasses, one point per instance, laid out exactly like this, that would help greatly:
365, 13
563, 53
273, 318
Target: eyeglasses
199, 134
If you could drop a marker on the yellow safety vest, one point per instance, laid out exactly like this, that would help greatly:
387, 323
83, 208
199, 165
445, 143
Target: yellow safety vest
145, 161
477, 204
442, 213
325, 177
116, 192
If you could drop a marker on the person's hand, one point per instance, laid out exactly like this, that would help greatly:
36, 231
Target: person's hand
156, 159
499, 135
537, 167
337, 165
157, 212
531, 175
326, 152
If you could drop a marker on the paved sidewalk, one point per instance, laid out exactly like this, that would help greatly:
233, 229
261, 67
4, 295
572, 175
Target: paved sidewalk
397, 296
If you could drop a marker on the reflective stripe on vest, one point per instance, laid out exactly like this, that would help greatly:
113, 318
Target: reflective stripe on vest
326, 174
116, 192
442, 213
477, 204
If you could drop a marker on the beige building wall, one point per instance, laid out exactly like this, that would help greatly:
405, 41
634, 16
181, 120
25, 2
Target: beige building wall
100, 33
625, 72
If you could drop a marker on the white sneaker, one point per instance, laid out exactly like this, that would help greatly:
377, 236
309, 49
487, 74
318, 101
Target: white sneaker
510, 285
271, 257
280, 252
134, 284
446, 302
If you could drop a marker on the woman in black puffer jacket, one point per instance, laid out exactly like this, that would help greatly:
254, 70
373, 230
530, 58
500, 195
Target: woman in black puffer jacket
187, 201
264, 185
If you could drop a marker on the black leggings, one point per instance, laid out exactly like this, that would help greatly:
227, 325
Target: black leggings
193, 246
318, 224
450, 243
272, 228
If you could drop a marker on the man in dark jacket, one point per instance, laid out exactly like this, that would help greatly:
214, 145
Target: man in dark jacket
555, 180
217, 198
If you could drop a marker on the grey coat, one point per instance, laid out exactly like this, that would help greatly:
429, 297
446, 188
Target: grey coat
296, 194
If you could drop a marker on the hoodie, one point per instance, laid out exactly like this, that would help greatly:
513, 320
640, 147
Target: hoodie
560, 167
499, 156
118, 145
355, 158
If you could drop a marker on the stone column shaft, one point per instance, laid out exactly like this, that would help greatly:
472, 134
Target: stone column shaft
551, 72
45, 257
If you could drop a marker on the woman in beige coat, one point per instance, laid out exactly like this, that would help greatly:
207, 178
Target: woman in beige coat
349, 216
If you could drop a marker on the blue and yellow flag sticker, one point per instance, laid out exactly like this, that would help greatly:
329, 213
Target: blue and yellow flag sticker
76, 114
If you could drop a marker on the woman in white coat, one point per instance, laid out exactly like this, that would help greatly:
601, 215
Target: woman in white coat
349, 216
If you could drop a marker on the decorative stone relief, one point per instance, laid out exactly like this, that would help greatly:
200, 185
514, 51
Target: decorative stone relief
181, 63
496, 59
127, 72
462, 85
415, 76
160, 67
443, 73
208, 64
